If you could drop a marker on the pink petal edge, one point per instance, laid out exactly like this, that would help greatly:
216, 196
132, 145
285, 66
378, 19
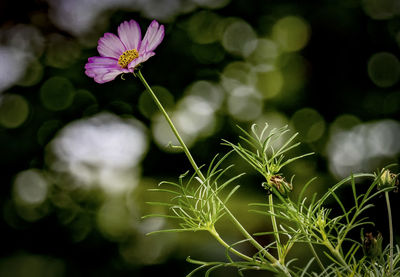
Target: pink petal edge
103, 69
130, 34
110, 46
153, 37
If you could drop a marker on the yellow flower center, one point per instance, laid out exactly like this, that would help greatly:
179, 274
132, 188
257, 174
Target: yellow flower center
127, 57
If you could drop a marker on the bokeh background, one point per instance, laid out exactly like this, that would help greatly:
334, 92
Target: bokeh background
77, 157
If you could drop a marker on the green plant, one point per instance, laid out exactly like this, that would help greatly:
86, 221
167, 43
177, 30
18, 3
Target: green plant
198, 206
199, 200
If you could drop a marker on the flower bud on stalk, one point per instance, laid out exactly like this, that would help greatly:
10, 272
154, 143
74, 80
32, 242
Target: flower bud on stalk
372, 245
279, 183
388, 180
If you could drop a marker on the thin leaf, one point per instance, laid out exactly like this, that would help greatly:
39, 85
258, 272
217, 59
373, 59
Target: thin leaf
305, 187
231, 193
211, 269
174, 231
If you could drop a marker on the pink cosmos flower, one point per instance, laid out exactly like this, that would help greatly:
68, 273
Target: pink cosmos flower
122, 53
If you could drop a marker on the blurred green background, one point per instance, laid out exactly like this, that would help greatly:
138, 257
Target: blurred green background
77, 157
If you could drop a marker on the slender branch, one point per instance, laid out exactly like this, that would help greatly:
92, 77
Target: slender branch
390, 232
334, 251
325, 241
172, 126
215, 234
321, 265
355, 216
275, 226
301, 226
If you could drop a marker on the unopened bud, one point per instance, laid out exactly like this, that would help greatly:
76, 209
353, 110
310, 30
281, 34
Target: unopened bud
280, 184
372, 245
388, 180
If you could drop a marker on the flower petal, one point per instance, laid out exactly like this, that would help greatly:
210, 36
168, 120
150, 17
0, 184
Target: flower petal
102, 62
130, 34
107, 77
140, 59
96, 64
103, 69
110, 46
153, 37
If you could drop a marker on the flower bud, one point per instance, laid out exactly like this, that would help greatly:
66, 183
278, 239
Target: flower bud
388, 180
372, 245
280, 184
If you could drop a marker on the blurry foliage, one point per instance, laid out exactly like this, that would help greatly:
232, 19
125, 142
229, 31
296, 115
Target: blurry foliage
329, 70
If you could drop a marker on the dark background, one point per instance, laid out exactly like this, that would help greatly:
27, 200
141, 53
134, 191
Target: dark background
329, 69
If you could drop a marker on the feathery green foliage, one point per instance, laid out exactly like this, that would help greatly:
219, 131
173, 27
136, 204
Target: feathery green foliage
266, 155
326, 231
198, 202
195, 203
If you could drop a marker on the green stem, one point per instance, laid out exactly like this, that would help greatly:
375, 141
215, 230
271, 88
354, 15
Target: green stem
247, 235
390, 232
301, 226
316, 256
357, 213
172, 126
275, 226
313, 249
200, 174
332, 249
335, 252
215, 234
